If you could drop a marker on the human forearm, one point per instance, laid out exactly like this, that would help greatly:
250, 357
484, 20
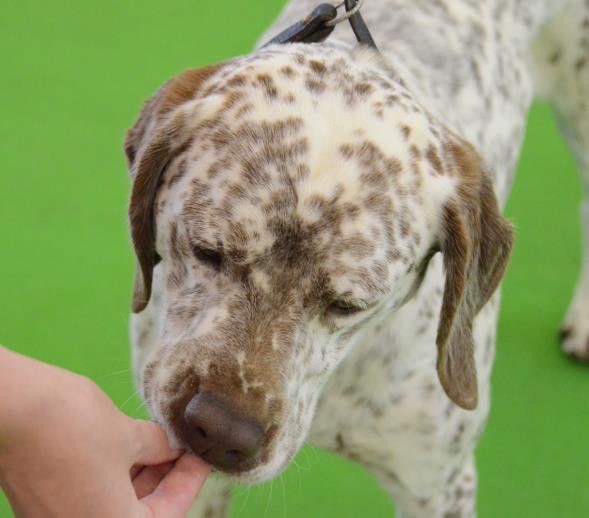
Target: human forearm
29, 390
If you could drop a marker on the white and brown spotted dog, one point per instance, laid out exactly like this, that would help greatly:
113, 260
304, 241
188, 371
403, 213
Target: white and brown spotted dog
287, 212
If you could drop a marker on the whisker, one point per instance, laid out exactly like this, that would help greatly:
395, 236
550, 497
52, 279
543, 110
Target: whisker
247, 491
134, 393
111, 374
281, 477
299, 467
315, 451
269, 498
140, 406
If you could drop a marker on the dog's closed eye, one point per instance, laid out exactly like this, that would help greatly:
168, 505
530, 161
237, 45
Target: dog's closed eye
208, 256
344, 308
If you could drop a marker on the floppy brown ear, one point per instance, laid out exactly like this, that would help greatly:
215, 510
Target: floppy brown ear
150, 145
476, 246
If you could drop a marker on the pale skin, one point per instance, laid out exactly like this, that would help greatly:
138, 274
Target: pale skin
66, 450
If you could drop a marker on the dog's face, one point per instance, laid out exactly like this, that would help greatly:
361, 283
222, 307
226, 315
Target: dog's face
281, 202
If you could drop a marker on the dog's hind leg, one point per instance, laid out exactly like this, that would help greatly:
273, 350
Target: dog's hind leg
560, 66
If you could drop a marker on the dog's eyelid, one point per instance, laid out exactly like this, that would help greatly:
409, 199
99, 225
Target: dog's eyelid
351, 301
346, 306
208, 255
203, 245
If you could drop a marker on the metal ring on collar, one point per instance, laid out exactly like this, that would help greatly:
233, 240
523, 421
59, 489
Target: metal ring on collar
346, 15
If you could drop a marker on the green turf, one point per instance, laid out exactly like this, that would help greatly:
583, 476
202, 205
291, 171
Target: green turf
73, 77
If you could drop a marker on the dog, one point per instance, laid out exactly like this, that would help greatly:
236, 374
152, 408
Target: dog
319, 240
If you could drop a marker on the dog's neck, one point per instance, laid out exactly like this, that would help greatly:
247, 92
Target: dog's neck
445, 53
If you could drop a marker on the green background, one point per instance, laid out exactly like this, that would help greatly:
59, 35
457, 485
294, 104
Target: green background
73, 77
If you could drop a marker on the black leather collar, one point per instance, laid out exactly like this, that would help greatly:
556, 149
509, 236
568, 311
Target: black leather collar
320, 23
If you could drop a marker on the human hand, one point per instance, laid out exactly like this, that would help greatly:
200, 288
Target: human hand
66, 450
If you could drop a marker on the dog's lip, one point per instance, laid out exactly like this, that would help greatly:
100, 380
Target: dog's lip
240, 473
256, 475
244, 467
251, 471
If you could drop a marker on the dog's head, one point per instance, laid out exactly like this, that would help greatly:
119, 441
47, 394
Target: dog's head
280, 202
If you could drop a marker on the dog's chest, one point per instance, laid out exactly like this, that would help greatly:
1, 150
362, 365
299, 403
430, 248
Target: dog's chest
385, 406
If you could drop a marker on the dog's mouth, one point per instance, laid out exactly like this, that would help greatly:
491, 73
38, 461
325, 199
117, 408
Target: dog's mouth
243, 451
222, 434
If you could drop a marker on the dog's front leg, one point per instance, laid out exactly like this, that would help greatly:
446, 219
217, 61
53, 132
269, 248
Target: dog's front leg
453, 496
213, 500
420, 453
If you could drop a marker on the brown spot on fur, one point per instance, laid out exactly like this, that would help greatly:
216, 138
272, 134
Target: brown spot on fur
315, 86
237, 80
268, 85
288, 71
347, 151
363, 89
216, 167
243, 110
434, 159
231, 100
375, 179
351, 210
391, 99
317, 67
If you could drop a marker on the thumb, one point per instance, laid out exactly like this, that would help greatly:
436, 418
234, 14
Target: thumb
150, 444
176, 492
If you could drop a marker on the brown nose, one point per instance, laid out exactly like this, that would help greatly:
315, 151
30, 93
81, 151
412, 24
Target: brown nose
219, 435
